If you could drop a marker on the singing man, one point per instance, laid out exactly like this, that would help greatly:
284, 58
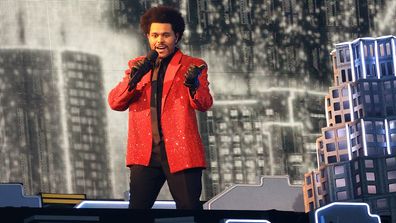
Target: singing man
162, 92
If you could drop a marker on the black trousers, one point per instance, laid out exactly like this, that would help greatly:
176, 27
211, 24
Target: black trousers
147, 181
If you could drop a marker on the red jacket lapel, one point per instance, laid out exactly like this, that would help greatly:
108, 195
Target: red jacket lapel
170, 73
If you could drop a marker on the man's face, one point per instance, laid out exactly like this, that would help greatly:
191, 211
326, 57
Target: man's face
162, 39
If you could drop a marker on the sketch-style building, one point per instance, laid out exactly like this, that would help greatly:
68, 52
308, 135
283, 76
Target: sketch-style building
53, 122
356, 152
248, 138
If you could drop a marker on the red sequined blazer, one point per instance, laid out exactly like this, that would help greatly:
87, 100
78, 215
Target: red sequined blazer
183, 144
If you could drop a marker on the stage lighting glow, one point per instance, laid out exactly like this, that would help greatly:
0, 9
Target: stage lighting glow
321, 218
246, 220
122, 204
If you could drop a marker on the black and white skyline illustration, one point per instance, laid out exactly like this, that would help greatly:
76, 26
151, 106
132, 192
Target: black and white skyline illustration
269, 69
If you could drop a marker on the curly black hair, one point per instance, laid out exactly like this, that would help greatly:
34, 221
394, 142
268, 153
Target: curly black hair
163, 14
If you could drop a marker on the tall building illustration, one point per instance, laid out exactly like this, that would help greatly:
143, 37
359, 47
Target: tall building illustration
31, 142
247, 138
85, 117
356, 152
53, 122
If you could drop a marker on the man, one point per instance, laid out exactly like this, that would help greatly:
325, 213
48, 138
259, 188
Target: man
163, 139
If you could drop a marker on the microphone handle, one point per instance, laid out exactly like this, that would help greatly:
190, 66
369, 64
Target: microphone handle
132, 81
139, 73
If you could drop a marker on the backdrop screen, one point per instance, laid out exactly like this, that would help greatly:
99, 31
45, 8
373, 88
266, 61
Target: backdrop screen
269, 71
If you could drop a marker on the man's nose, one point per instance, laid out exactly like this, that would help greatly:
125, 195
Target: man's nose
160, 39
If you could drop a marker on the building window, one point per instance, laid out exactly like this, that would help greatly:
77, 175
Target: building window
341, 54
340, 182
320, 191
359, 191
311, 206
393, 137
236, 150
369, 138
234, 113
236, 138
338, 169
247, 125
335, 93
343, 77
347, 117
332, 159
371, 189
390, 68
344, 92
357, 177
323, 173
342, 195
376, 99
392, 175
353, 142
338, 119
369, 163
350, 74
370, 176
392, 187
329, 134
367, 99
366, 86
308, 180
336, 106
344, 157
330, 147
222, 125
382, 203
380, 138
309, 193
345, 104
341, 132
342, 145
224, 151
391, 162
227, 177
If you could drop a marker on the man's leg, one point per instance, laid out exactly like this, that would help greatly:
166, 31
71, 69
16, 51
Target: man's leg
185, 187
145, 185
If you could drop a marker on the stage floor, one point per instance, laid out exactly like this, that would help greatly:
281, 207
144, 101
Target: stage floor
35, 215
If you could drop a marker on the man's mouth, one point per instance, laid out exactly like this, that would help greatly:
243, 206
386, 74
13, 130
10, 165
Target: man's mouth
161, 47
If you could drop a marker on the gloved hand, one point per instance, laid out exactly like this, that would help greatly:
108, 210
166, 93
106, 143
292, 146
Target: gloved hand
135, 76
140, 68
191, 76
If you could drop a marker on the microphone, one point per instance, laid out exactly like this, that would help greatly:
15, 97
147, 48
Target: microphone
142, 68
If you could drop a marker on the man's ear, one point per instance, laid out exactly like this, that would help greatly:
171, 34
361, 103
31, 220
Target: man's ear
177, 38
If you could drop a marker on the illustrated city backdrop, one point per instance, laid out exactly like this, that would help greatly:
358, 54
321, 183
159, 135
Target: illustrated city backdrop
269, 70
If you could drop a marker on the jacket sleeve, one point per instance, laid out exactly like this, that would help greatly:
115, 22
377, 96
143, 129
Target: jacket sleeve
119, 97
202, 99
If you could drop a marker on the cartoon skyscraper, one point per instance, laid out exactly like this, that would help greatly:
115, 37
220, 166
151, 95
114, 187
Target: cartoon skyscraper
356, 152
53, 122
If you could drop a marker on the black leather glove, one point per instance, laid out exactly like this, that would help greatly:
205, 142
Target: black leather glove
191, 76
140, 68
135, 76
